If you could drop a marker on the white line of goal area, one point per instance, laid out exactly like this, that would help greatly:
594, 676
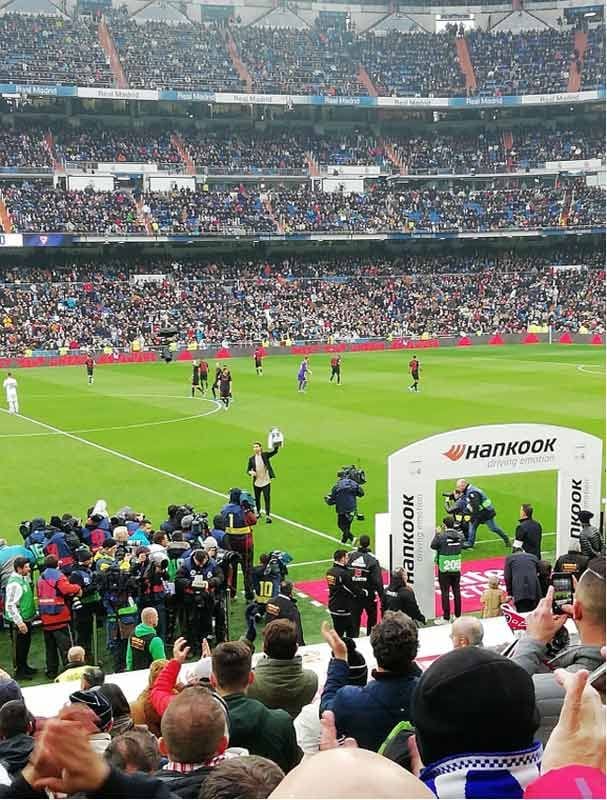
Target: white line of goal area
163, 472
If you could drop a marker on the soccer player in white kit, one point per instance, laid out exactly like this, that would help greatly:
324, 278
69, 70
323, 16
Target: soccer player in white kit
10, 387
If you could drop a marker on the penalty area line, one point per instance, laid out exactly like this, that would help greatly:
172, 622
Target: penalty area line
165, 473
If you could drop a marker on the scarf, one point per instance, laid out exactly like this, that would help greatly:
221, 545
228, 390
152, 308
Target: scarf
484, 775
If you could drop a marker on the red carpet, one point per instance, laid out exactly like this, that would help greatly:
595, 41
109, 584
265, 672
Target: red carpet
475, 575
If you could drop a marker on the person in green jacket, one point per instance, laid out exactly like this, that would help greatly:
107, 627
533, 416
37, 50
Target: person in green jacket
19, 611
144, 645
280, 679
267, 732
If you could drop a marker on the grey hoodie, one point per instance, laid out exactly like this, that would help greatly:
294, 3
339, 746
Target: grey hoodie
530, 654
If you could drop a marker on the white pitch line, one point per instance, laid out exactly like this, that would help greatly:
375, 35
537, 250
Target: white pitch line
496, 539
160, 471
317, 604
584, 368
310, 563
216, 407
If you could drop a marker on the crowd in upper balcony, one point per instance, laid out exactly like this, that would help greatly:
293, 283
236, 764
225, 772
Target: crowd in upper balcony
317, 60
51, 50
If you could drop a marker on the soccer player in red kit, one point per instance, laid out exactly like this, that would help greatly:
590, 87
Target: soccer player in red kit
204, 376
258, 356
90, 369
414, 370
336, 369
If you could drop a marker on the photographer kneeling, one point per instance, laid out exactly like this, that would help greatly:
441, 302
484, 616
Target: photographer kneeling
343, 497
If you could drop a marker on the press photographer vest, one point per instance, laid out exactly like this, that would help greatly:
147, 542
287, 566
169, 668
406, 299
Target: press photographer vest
449, 554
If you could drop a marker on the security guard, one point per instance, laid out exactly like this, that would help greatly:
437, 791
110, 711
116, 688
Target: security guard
344, 595
144, 645
473, 500
448, 544
366, 575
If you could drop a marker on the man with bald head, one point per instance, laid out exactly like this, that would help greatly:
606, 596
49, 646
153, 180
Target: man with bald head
350, 772
467, 632
471, 500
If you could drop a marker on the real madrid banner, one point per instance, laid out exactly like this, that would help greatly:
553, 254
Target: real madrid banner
482, 451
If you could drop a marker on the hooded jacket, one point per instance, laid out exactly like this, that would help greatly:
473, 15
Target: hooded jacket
283, 683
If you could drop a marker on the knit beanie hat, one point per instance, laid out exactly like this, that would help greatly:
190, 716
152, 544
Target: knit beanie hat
473, 700
357, 666
99, 704
210, 543
9, 690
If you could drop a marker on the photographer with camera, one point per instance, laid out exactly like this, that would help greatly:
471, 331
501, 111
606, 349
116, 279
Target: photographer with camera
197, 584
472, 500
54, 588
343, 496
239, 519
220, 610
85, 611
153, 587
118, 589
366, 575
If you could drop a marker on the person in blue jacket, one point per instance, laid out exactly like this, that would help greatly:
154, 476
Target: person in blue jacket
369, 713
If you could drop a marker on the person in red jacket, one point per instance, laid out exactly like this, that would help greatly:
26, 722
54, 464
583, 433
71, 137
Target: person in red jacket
53, 589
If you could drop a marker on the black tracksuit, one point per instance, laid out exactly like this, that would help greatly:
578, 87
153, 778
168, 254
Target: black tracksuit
344, 597
366, 575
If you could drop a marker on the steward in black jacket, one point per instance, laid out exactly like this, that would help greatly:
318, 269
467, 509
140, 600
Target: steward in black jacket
344, 595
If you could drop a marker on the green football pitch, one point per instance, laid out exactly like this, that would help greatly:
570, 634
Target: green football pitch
137, 438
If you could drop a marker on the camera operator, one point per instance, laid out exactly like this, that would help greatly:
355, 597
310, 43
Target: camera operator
343, 497
219, 607
284, 606
473, 500
344, 596
118, 589
239, 520
272, 568
85, 611
177, 551
399, 596
153, 588
35, 536
366, 575
196, 585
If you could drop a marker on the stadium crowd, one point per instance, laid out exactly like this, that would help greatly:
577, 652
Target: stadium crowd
271, 151
155, 55
34, 207
527, 62
51, 50
222, 726
295, 300
413, 64
285, 61
320, 60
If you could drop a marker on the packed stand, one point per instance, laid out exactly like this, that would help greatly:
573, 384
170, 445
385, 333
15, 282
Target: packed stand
37, 207
51, 50
93, 307
23, 148
528, 62
116, 145
228, 725
199, 212
285, 61
158, 55
413, 64
356, 149
243, 152
593, 68
457, 154
533, 147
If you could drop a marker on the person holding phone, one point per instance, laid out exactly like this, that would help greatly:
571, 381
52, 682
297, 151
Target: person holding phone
589, 617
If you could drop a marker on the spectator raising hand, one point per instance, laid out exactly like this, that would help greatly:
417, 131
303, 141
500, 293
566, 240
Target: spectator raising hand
579, 736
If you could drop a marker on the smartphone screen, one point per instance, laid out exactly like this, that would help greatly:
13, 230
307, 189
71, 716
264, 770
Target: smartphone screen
563, 591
